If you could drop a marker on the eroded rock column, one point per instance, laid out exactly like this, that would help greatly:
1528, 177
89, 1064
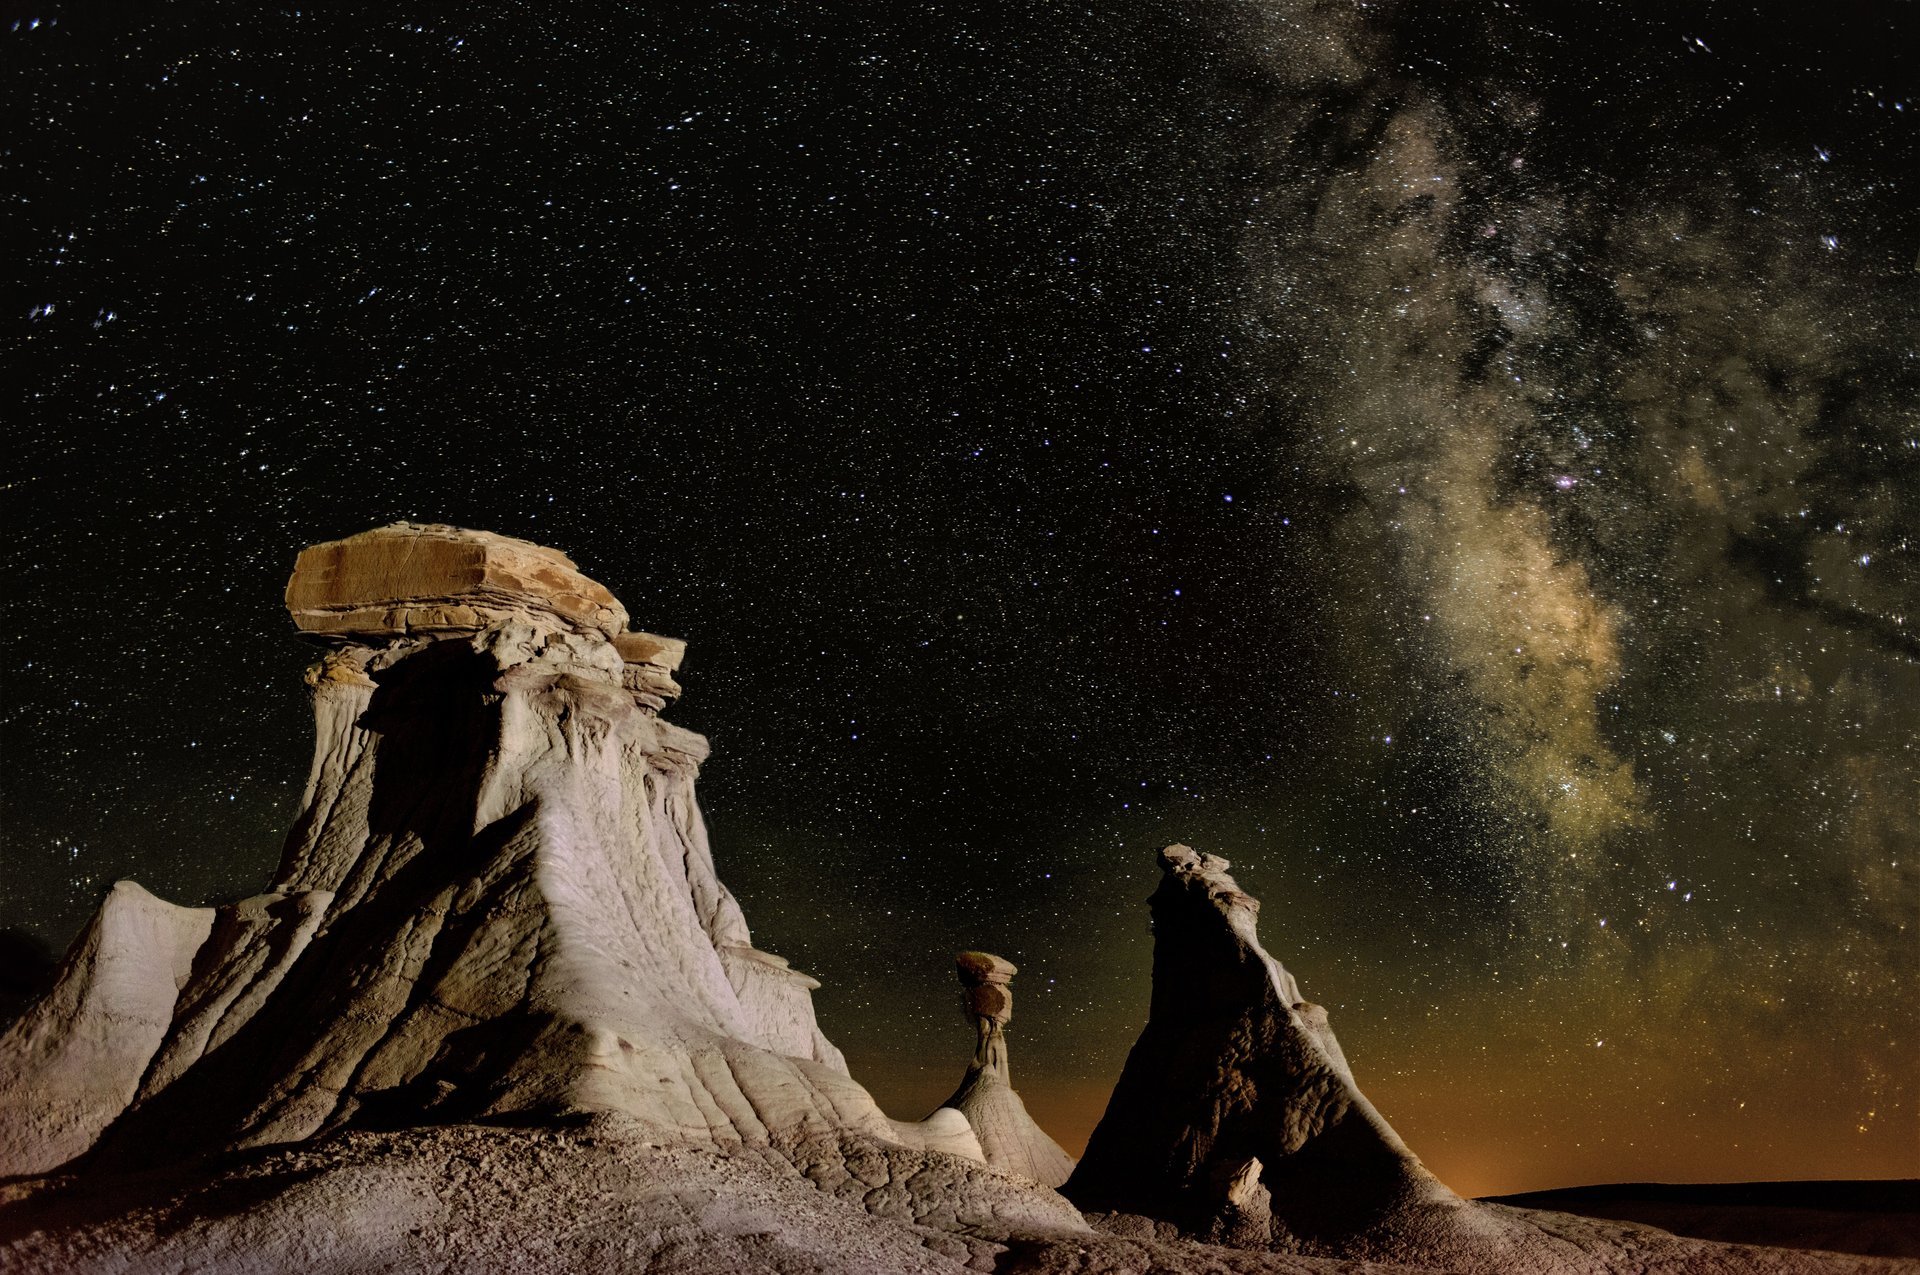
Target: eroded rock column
1008, 1135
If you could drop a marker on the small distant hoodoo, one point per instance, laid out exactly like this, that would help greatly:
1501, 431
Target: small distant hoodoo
1008, 1135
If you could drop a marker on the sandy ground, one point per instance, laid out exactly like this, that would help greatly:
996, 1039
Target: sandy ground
599, 1198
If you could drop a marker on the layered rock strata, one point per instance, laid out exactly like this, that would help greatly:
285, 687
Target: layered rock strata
415, 578
1009, 1136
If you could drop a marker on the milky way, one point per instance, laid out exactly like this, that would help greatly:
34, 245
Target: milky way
1620, 400
1458, 462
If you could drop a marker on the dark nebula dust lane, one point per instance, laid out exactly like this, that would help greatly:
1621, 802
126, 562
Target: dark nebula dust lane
1458, 462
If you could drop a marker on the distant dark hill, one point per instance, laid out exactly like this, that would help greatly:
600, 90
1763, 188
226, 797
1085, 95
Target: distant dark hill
1877, 1218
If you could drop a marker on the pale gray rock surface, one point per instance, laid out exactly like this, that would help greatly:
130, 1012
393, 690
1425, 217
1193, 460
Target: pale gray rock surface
601, 1197
497, 902
74, 1060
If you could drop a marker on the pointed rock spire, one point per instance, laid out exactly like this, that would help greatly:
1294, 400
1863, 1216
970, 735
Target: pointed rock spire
1236, 1101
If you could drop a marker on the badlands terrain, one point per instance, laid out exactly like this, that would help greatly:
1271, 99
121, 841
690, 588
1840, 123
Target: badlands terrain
496, 1011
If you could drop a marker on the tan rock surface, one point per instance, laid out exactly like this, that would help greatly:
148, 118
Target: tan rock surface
651, 662
664, 653
428, 578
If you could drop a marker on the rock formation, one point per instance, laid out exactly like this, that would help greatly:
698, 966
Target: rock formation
1237, 1086
414, 579
80, 1051
496, 1011
986, 1097
498, 902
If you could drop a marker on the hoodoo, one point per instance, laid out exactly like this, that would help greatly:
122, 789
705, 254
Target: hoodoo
497, 903
1237, 1099
986, 1096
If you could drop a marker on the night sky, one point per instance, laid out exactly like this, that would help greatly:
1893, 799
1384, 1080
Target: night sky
1460, 462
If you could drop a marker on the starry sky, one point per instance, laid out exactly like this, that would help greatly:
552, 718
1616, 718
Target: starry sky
1458, 462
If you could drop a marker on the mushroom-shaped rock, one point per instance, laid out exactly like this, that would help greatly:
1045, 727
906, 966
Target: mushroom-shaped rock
429, 578
1008, 1135
1236, 1098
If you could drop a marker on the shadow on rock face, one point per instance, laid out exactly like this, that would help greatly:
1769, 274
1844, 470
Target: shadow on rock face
1237, 1099
434, 714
